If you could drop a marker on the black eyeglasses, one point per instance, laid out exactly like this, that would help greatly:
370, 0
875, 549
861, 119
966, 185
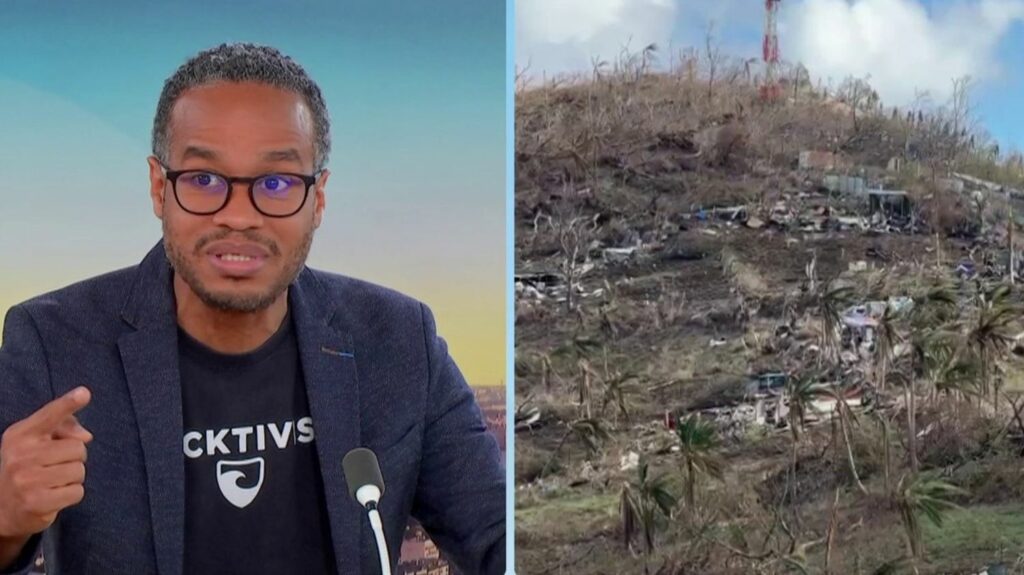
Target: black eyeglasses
203, 192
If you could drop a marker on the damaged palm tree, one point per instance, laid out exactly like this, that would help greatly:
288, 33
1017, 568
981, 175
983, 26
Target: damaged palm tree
585, 387
618, 388
831, 303
590, 432
846, 417
644, 505
907, 382
929, 350
801, 392
953, 372
918, 495
990, 334
935, 306
887, 337
697, 443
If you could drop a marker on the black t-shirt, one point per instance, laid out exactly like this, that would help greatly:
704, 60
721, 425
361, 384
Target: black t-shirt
254, 497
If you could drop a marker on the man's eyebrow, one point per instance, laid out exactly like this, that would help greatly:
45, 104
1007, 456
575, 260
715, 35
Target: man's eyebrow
197, 152
291, 154
286, 155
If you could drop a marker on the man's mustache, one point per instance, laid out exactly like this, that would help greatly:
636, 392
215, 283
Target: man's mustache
247, 235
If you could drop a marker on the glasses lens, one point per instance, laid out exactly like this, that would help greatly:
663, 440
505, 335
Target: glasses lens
201, 192
279, 194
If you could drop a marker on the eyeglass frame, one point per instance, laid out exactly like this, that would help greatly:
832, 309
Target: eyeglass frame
309, 180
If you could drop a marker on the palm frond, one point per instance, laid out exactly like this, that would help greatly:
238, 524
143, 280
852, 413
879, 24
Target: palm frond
591, 432
925, 495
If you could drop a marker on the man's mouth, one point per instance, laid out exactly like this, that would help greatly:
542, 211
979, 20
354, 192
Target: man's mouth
237, 259
236, 265
234, 258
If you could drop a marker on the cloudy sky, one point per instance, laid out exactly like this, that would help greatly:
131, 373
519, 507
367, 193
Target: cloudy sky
905, 45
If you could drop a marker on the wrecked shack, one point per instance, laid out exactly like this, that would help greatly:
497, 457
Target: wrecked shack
889, 203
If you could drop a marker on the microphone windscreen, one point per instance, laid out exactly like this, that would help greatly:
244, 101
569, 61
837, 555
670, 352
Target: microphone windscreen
361, 468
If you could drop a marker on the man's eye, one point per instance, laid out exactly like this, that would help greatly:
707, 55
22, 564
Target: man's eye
204, 180
276, 184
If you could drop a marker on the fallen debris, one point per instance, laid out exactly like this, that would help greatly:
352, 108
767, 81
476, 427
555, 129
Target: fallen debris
629, 461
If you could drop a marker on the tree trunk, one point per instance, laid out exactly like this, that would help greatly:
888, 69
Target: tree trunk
885, 453
984, 378
554, 454
912, 427
1009, 234
849, 453
691, 484
830, 537
793, 468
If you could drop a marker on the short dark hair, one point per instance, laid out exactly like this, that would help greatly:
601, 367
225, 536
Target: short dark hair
243, 62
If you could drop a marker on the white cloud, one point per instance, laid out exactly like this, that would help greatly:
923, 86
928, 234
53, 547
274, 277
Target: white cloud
555, 36
902, 45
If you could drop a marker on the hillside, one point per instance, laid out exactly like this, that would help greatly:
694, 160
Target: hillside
741, 325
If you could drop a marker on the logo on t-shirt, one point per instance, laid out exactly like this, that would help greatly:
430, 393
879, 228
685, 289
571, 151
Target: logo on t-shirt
229, 480
240, 480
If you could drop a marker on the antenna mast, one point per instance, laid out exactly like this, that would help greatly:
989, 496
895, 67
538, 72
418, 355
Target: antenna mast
770, 90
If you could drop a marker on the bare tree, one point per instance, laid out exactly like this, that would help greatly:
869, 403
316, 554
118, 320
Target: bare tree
713, 55
574, 232
962, 117
648, 57
859, 96
911, 144
800, 76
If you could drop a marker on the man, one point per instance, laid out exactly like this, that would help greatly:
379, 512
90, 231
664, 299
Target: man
190, 414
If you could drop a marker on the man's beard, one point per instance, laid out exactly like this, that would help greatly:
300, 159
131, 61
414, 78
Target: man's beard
233, 302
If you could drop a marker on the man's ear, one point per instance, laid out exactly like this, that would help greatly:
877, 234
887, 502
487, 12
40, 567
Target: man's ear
157, 186
320, 198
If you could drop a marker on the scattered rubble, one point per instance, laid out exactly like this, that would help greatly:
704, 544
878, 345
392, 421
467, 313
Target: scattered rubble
818, 160
980, 184
629, 461
849, 185
860, 322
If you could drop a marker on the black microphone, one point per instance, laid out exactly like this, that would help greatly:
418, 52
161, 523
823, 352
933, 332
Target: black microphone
366, 485
362, 472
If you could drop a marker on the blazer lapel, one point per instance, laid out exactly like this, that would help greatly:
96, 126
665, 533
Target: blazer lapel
150, 358
329, 367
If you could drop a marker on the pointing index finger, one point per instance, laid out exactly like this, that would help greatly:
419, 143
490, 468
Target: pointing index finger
51, 415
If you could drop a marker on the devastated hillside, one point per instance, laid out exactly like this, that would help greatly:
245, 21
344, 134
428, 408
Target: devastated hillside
763, 336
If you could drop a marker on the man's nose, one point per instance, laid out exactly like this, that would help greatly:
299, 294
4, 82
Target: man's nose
239, 213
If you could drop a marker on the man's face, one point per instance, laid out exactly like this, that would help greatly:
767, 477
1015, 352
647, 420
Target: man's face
238, 259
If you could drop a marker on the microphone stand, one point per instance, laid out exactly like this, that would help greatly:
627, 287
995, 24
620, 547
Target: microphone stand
368, 495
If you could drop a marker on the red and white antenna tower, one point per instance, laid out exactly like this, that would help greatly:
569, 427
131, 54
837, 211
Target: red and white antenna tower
770, 90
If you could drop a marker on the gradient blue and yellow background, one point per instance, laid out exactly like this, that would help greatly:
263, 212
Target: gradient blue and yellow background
416, 93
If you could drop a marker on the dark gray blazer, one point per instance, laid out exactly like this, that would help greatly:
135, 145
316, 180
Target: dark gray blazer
377, 376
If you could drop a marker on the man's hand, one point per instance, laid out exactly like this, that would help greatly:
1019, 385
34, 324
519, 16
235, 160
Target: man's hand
42, 468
